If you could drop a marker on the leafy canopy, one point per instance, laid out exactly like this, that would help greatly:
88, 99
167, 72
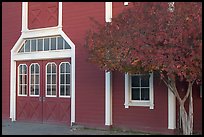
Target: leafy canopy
148, 37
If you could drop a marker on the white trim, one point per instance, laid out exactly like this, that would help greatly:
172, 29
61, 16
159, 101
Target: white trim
171, 110
34, 80
108, 75
129, 102
127, 81
126, 3
24, 16
108, 98
65, 79
51, 80
26, 80
60, 15
43, 55
39, 33
108, 11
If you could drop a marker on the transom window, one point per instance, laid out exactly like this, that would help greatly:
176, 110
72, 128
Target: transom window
22, 80
64, 79
34, 79
51, 79
44, 44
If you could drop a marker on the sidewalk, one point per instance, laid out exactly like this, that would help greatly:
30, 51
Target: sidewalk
21, 128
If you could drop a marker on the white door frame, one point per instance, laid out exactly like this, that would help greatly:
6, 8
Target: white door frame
42, 32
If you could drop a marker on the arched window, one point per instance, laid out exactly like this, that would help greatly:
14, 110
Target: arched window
51, 79
34, 79
22, 80
64, 79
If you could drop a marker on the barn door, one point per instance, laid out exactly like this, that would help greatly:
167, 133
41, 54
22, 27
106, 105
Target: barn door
43, 91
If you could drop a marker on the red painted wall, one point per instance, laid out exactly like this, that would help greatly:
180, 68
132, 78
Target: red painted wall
90, 90
42, 14
11, 31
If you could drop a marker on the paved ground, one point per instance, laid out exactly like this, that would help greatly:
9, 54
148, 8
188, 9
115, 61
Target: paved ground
21, 128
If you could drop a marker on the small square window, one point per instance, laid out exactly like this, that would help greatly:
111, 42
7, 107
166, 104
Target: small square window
139, 90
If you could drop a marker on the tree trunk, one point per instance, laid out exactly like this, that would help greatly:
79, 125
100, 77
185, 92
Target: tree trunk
186, 119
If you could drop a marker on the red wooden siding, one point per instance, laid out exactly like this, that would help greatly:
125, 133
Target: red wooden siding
42, 14
11, 31
118, 7
90, 90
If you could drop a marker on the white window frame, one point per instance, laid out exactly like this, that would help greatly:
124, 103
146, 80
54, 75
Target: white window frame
26, 80
65, 84
34, 80
51, 81
43, 49
129, 102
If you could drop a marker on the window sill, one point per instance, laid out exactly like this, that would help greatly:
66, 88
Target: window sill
140, 103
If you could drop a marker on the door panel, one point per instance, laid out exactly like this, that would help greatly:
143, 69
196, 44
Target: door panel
42, 108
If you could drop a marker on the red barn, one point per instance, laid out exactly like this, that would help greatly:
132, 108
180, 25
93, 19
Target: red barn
46, 77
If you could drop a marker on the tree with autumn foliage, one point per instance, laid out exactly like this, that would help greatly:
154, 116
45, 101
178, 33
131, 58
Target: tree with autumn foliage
153, 37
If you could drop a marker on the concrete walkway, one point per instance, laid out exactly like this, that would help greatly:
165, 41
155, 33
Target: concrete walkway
21, 128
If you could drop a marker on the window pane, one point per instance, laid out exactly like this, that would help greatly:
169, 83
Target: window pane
60, 43
36, 89
54, 79
36, 68
31, 89
67, 90
33, 47
62, 68
62, 79
33, 44
67, 68
25, 89
67, 79
62, 90
53, 43
37, 79
24, 69
49, 68
20, 79
53, 68
48, 90
32, 79
54, 90
32, 69
145, 80
145, 94
24, 79
135, 81
20, 69
20, 90
135, 94
27, 46
48, 79
66, 45
40, 44
46, 44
